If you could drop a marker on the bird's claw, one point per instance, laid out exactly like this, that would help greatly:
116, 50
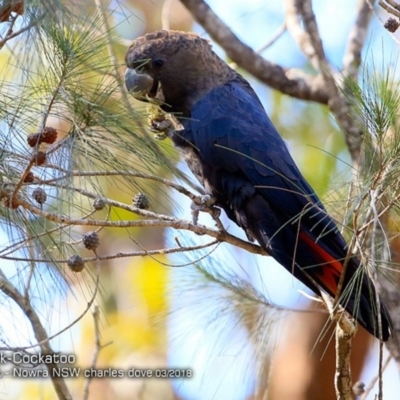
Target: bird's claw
159, 124
162, 129
205, 204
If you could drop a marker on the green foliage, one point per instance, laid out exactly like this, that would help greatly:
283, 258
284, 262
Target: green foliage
63, 75
374, 199
376, 100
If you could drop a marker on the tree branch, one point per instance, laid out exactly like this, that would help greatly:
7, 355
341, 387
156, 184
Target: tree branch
95, 356
40, 333
22, 30
159, 220
299, 34
344, 333
142, 253
292, 82
356, 40
44, 339
390, 8
337, 102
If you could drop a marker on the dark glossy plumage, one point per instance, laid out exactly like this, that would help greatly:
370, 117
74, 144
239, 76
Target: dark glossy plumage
248, 169
236, 153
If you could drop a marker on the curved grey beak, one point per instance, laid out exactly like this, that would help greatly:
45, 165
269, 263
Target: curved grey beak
138, 84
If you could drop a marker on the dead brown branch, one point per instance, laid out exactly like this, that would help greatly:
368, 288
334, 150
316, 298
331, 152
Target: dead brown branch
292, 82
344, 333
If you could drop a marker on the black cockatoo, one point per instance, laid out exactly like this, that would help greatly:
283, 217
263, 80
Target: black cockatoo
236, 153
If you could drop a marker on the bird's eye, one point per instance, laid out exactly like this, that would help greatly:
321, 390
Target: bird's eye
158, 62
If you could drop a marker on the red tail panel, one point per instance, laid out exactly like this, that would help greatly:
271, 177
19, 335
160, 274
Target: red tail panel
329, 272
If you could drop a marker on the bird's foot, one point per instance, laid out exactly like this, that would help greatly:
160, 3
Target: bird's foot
159, 124
162, 129
205, 204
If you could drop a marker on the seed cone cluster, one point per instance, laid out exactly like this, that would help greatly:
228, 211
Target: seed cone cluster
91, 240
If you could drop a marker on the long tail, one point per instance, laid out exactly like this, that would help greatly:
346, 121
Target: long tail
318, 263
358, 294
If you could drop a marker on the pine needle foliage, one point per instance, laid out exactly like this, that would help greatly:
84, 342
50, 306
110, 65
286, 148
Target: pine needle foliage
58, 73
374, 205
62, 74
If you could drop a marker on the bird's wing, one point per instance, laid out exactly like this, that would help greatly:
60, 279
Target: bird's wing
246, 146
261, 188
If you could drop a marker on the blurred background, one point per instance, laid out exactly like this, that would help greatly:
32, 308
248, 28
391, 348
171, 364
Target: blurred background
159, 312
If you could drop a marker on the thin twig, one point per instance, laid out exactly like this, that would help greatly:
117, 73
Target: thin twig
375, 278
95, 356
189, 263
11, 26
98, 345
143, 253
21, 180
44, 339
375, 379
281, 30
347, 207
135, 174
31, 265
22, 30
23, 242
313, 42
158, 221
